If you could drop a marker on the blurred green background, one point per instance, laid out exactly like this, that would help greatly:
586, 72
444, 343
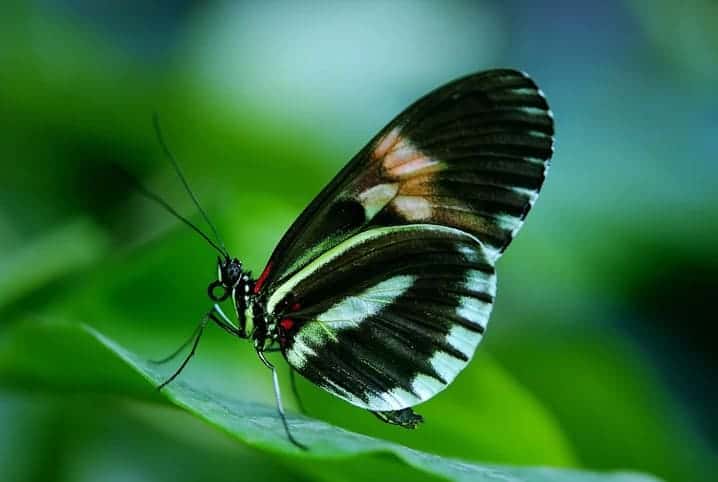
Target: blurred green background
601, 352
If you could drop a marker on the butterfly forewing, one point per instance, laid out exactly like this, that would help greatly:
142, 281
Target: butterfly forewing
382, 288
471, 155
387, 318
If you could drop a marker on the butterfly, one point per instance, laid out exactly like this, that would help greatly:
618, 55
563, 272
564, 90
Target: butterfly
381, 290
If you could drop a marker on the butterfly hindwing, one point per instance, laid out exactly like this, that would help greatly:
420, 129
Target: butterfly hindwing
470, 155
387, 318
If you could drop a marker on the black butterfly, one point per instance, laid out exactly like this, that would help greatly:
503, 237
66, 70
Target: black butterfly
382, 289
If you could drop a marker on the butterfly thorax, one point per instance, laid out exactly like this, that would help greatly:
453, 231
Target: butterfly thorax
254, 319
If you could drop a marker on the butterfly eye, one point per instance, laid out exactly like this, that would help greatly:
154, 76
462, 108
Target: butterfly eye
212, 291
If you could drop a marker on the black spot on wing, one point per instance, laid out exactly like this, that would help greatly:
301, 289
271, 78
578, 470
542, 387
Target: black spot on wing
340, 217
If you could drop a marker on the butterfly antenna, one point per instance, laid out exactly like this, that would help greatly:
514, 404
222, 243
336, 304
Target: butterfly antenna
156, 198
180, 174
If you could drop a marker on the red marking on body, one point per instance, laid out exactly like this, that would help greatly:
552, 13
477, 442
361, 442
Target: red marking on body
287, 324
296, 307
262, 278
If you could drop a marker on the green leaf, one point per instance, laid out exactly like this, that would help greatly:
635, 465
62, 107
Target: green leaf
257, 424
485, 415
610, 401
54, 254
148, 302
71, 438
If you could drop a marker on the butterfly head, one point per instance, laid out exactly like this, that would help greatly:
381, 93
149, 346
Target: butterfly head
229, 278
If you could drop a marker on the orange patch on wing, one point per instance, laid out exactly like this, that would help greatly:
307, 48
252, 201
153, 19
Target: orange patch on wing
415, 173
402, 159
401, 153
418, 185
416, 165
386, 143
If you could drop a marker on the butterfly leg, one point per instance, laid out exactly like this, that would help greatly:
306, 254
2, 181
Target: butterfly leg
278, 398
293, 382
181, 348
196, 335
184, 363
406, 418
